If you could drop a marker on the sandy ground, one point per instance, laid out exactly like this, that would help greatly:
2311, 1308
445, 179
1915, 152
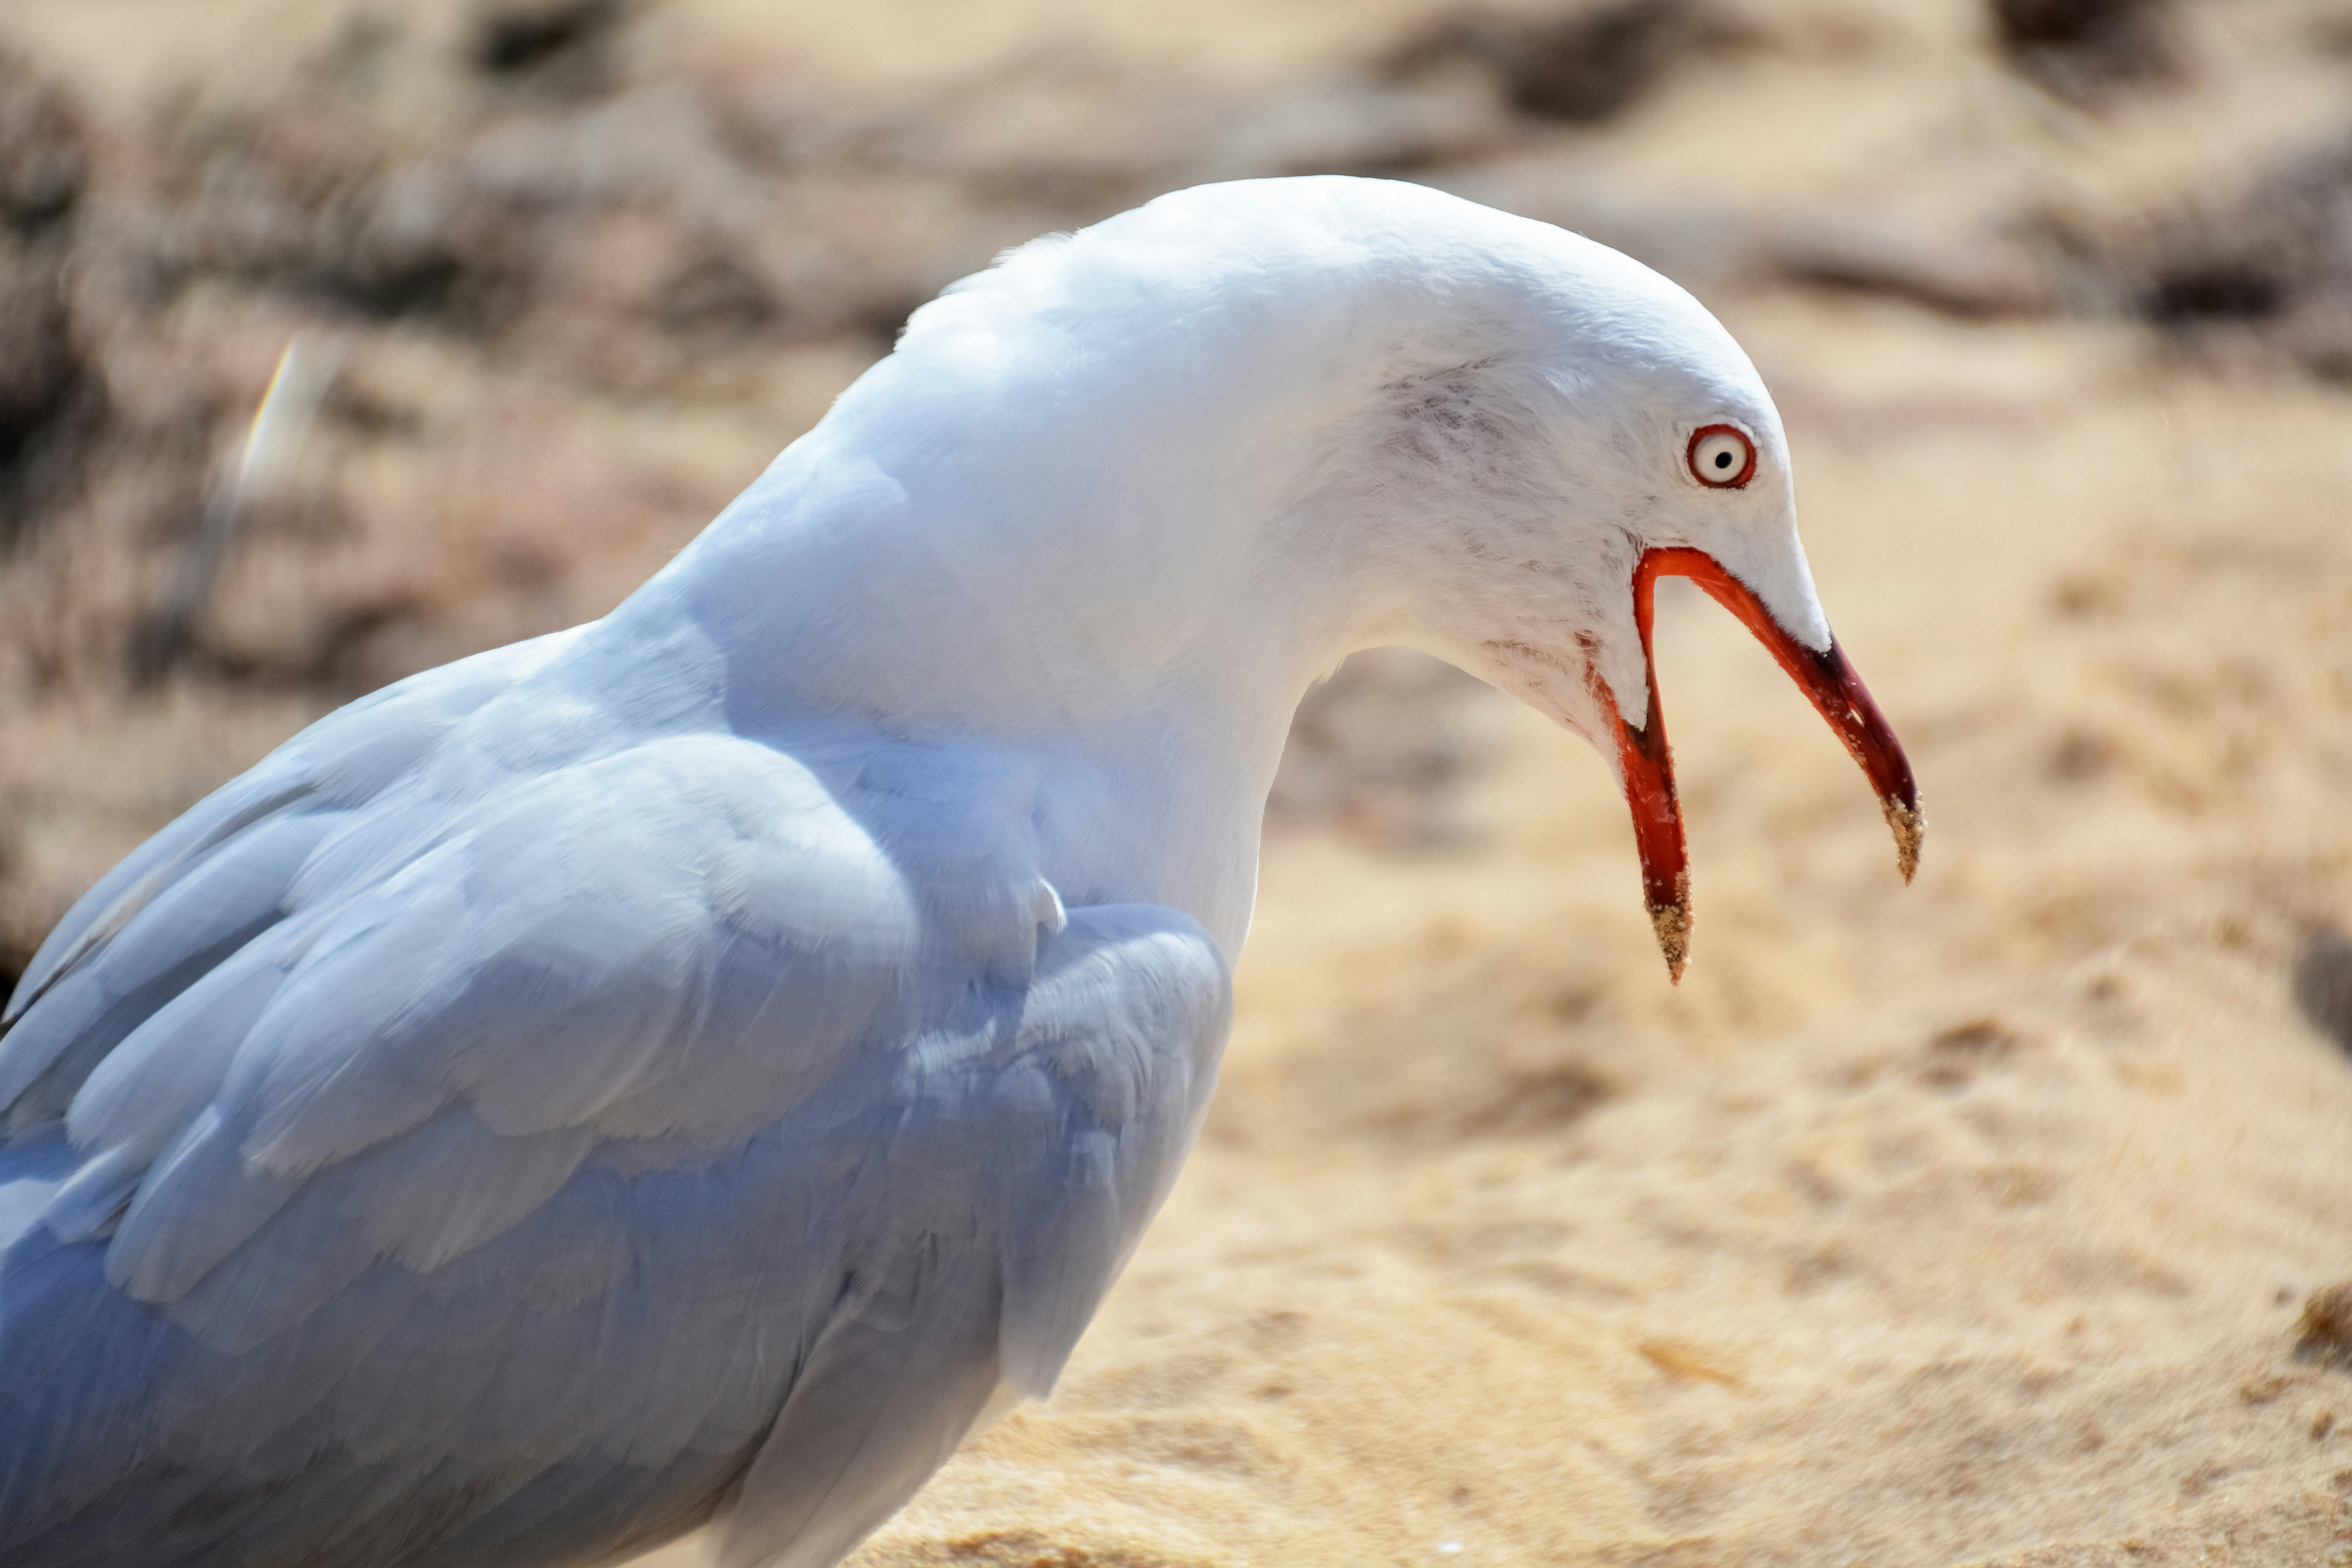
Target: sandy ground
1965, 1223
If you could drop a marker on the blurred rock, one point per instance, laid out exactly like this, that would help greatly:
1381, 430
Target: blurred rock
311, 200
44, 151
421, 240
1958, 1056
716, 291
568, 44
2083, 756
1961, 273
2261, 269
2080, 50
49, 398
2326, 1326
1580, 65
2323, 983
39, 369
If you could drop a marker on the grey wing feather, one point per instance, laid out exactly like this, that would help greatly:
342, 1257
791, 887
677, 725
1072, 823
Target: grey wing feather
192, 894
344, 759
1030, 1145
1128, 1027
897, 1377
520, 1183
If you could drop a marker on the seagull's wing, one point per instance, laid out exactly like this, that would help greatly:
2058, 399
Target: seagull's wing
490, 1208
339, 766
1052, 1117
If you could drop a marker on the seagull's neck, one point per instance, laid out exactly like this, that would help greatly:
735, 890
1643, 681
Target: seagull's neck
1127, 574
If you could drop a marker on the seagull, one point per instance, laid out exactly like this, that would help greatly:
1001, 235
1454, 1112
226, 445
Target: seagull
690, 1072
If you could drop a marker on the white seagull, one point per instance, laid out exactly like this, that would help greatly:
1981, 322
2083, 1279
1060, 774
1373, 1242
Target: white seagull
692, 1070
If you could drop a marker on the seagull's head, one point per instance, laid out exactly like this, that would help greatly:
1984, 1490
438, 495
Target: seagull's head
1589, 429
1539, 429
1384, 415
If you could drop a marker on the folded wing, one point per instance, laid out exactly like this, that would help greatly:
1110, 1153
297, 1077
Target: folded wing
518, 1181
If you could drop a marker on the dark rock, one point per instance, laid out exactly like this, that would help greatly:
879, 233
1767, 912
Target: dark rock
515, 36
1956, 1056
2326, 1326
322, 210
2079, 49
2241, 290
2065, 24
1580, 65
715, 292
2259, 269
44, 152
1975, 275
49, 398
421, 240
2323, 983
39, 366
2082, 756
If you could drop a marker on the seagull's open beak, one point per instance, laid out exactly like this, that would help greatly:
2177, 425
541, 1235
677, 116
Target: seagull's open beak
1827, 678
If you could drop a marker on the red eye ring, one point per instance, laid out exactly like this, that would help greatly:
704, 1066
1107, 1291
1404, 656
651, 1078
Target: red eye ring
1718, 480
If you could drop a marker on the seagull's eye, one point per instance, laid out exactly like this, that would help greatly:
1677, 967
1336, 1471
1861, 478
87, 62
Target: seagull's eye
1721, 456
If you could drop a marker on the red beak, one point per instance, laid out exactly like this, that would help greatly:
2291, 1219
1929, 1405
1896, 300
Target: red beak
1827, 678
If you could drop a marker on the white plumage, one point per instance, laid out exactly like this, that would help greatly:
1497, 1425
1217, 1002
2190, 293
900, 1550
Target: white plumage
682, 1070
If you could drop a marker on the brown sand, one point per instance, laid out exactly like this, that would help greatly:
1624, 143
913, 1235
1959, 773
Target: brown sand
1967, 1223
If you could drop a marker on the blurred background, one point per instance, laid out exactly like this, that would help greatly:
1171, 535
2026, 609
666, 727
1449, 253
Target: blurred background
1999, 1220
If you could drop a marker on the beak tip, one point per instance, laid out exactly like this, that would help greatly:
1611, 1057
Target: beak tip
1671, 920
1910, 828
